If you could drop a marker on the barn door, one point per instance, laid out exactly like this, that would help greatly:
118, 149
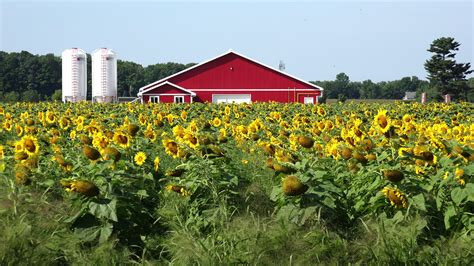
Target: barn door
308, 100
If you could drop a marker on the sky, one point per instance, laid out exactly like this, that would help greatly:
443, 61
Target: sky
316, 40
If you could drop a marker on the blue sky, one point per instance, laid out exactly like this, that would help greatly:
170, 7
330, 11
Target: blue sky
377, 40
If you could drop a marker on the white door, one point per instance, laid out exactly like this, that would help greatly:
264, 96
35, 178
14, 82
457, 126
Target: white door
231, 98
308, 100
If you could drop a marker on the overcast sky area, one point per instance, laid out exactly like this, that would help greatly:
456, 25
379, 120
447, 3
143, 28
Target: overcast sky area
377, 40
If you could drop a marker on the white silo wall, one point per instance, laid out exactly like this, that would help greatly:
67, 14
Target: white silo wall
104, 75
74, 75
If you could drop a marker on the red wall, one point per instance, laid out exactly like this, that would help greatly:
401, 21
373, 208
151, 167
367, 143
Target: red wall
166, 89
260, 96
234, 72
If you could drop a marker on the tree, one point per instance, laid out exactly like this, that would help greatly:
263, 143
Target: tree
130, 78
11, 96
57, 95
30, 96
445, 75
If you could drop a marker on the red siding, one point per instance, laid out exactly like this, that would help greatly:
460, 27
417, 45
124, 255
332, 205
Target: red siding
284, 96
166, 89
234, 72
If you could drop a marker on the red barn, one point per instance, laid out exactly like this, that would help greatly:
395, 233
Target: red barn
230, 77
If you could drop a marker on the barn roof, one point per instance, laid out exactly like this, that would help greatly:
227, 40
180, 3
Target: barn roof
167, 83
146, 87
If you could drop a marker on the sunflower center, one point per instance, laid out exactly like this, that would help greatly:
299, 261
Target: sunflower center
122, 139
172, 147
383, 122
30, 145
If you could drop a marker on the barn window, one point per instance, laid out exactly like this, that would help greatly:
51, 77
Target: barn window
154, 99
308, 100
179, 99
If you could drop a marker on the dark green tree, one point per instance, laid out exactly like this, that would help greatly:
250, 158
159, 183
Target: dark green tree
130, 78
445, 75
11, 96
57, 95
30, 96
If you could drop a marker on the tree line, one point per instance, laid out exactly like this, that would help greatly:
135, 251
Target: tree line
32, 78
445, 76
342, 88
28, 77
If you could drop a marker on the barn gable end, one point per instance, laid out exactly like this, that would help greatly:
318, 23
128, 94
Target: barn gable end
237, 75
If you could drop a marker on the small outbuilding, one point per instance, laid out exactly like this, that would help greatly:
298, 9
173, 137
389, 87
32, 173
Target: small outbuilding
230, 77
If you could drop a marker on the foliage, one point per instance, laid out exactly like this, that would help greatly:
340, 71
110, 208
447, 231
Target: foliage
30, 96
57, 95
209, 184
11, 97
447, 76
343, 87
22, 73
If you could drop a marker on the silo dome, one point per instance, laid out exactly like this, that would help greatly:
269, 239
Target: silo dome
104, 75
74, 75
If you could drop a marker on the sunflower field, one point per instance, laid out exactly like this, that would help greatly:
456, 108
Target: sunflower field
261, 183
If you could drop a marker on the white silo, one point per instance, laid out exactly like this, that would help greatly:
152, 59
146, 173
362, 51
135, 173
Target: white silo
104, 75
74, 76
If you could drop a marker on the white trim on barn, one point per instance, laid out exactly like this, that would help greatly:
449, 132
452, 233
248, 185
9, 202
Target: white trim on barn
154, 97
167, 83
178, 97
167, 94
145, 88
229, 98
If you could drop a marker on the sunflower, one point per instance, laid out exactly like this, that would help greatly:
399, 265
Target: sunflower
91, 153
149, 133
170, 118
179, 132
30, 145
122, 139
396, 197
72, 134
276, 116
382, 121
80, 120
19, 130
292, 186
7, 125
172, 148
156, 163
50, 117
140, 158
321, 111
216, 122
404, 152
83, 187
100, 141
64, 123
142, 119
193, 127
133, 129
191, 140
178, 189
184, 115
227, 110
2, 152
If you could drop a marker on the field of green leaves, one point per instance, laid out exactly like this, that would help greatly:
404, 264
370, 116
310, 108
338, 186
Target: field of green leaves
264, 183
